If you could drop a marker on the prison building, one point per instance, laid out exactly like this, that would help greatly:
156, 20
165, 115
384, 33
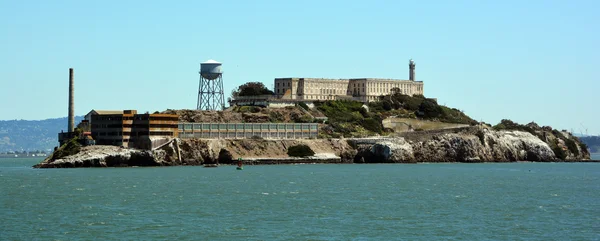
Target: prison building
359, 89
362, 89
248, 130
127, 128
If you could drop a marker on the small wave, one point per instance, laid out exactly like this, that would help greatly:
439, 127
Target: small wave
265, 193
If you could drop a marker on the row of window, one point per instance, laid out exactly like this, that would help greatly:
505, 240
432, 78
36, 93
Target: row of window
380, 88
126, 133
215, 135
247, 126
283, 84
319, 97
173, 126
138, 117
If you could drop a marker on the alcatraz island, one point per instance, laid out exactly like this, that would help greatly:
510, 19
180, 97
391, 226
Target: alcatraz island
304, 120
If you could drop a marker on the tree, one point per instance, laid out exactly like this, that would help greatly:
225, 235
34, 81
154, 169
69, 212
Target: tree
430, 109
251, 89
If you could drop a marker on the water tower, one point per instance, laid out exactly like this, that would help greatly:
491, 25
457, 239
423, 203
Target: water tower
210, 91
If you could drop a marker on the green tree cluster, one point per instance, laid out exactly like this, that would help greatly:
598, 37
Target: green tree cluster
251, 89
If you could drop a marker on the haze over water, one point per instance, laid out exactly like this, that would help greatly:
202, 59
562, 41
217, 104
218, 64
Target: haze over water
541, 201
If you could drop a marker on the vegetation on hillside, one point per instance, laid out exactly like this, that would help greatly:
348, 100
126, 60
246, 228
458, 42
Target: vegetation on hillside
418, 106
72, 147
349, 118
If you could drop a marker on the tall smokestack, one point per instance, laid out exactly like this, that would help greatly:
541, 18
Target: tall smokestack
71, 102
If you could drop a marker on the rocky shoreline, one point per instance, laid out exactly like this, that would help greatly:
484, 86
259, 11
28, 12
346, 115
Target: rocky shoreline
462, 145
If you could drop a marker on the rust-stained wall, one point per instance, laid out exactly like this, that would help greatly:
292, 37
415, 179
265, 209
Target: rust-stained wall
127, 128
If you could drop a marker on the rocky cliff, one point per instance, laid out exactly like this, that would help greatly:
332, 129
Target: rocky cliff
466, 145
472, 144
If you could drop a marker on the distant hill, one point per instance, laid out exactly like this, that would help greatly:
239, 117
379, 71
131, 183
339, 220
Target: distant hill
28, 135
593, 142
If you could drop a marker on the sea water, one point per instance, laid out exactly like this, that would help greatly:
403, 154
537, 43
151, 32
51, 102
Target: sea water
511, 201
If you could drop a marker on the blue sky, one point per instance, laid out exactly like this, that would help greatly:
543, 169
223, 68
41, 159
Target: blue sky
521, 60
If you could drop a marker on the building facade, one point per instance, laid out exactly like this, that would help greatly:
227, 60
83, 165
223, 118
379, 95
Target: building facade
127, 128
248, 130
360, 89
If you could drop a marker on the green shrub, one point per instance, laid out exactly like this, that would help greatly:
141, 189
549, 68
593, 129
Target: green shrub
430, 109
372, 125
363, 112
572, 146
342, 111
506, 124
70, 148
244, 109
408, 102
387, 105
253, 109
276, 117
559, 152
376, 106
300, 151
304, 119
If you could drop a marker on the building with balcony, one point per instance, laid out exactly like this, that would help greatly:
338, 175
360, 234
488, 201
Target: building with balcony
127, 128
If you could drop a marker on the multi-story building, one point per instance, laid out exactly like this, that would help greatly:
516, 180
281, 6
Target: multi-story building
129, 129
361, 89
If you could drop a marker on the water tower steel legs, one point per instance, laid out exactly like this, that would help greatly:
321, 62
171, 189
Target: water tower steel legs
210, 94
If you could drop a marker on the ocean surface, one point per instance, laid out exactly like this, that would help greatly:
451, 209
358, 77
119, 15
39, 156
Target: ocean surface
516, 201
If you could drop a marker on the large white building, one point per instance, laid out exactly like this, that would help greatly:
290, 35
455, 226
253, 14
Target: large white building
361, 89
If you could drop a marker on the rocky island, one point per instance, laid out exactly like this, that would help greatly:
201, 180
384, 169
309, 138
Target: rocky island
396, 129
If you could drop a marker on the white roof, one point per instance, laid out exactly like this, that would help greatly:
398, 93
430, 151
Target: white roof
211, 61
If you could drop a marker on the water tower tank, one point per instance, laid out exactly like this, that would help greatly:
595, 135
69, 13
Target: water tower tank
210, 69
